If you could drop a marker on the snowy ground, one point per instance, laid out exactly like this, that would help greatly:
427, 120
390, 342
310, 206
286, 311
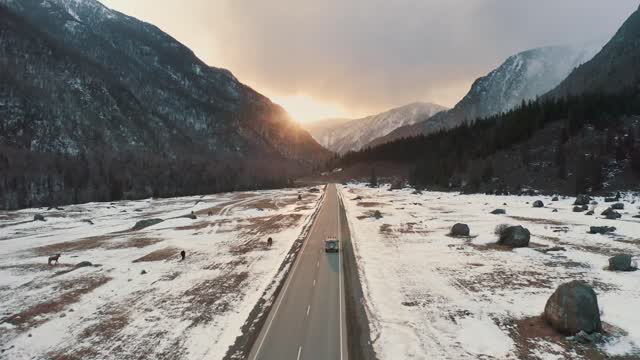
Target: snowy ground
431, 296
191, 309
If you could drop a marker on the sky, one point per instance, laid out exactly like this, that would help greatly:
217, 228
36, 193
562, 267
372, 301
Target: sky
352, 58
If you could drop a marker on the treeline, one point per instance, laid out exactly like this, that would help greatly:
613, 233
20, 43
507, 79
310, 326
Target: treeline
31, 179
440, 158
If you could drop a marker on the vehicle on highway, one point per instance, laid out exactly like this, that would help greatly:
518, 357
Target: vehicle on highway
331, 245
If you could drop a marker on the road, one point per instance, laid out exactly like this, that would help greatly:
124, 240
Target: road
307, 320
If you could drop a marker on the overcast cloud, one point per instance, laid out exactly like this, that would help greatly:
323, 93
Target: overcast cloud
370, 55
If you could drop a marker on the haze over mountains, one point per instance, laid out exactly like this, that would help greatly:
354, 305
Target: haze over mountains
128, 106
523, 76
343, 135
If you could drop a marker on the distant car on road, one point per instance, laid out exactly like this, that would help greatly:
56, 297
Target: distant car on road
331, 245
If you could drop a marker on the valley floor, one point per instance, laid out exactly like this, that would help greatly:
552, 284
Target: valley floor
432, 296
138, 299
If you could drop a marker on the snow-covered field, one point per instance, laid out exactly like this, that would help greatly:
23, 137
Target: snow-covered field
431, 296
138, 299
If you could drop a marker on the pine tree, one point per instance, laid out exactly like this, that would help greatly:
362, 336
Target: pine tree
561, 161
373, 180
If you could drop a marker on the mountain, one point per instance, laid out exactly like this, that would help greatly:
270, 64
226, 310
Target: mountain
611, 70
523, 76
88, 90
342, 136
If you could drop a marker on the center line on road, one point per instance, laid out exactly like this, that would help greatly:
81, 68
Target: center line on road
299, 352
308, 308
314, 283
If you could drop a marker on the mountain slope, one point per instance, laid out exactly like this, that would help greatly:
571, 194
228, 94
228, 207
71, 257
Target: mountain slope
523, 76
611, 70
85, 84
352, 135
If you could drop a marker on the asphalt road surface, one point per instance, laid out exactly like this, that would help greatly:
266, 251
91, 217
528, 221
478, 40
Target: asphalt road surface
307, 321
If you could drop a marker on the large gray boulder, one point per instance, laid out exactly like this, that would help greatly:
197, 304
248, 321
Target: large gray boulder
460, 230
38, 217
621, 262
580, 208
146, 223
499, 212
538, 204
572, 308
601, 229
514, 236
611, 214
582, 200
617, 206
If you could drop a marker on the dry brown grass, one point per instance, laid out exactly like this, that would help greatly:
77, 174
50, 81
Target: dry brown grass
159, 255
370, 204
67, 293
88, 243
527, 332
138, 243
503, 278
540, 221
213, 297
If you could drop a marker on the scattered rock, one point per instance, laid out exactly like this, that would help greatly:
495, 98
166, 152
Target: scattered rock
617, 206
552, 249
579, 208
582, 200
589, 213
88, 221
572, 308
514, 236
584, 338
538, 204
611, 214
499, 212
555, 210
63, 315
377, 214
143, 272
593, 202
610, 199
38, 217
601, 229
555, 198
146, 223
636, 216
460, 230
357, 198
621, 262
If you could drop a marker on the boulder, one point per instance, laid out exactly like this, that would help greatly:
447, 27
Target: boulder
38, 217
611, 214
582, 200
601, 229
83, 264
146, 223
636, 216
590, 212
572, 308
617, 206
514, 236
621, 262
579, 208
538, 204
610, 199
555, 210
377, 214
555, 198
460, 230
499, 212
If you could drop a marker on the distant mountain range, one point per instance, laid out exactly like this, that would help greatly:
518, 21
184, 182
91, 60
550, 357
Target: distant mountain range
91, 85
523, 76
343, 135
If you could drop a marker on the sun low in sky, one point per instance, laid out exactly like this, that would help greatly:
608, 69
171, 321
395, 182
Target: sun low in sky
303, 108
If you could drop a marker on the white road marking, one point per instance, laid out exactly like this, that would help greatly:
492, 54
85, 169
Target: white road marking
340, 273
289, 277
314, 283
308, 308
299, 352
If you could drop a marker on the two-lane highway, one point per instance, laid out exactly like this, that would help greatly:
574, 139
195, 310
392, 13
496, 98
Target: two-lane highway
307, 321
